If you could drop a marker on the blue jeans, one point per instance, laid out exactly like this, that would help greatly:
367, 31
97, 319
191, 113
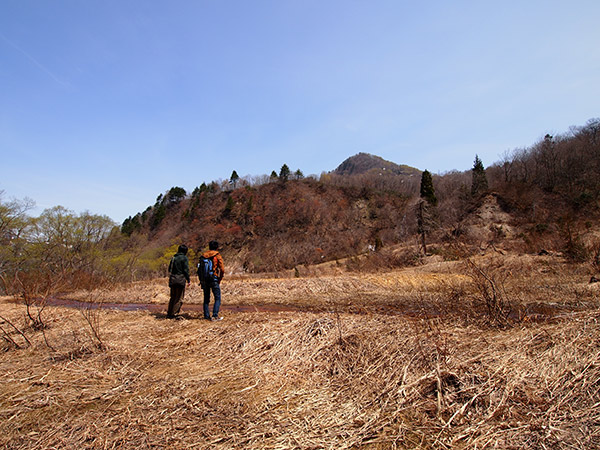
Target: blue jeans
216, 290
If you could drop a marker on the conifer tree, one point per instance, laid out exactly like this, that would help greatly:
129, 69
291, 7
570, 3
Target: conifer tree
234, 179
175, 195
426, 211
131, 224
479, 183
228, 207
284, 173
427, 190
158, 214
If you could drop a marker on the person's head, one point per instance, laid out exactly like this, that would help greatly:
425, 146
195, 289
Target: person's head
213, 245
182, 249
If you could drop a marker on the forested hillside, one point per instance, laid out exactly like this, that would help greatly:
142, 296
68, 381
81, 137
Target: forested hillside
478, 343
549, 190
542, 197
281, 224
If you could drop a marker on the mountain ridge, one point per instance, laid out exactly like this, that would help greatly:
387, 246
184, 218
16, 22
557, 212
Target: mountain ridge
280, 223
363, 163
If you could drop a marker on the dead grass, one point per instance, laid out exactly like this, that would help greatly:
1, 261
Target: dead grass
533, 286
307, 380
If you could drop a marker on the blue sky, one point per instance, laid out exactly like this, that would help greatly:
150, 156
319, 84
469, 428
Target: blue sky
106, 104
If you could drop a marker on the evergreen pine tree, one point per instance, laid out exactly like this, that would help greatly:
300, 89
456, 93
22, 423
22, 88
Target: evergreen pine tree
284, 173
175, 195
479, 182
158, 214
234, 179
228, 207
426, 211
427, 190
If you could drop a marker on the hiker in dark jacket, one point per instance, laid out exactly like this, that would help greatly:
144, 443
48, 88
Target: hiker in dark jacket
213, 284
179, 275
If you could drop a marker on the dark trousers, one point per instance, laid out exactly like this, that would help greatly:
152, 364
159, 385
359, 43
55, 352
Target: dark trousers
177, 292
216, 290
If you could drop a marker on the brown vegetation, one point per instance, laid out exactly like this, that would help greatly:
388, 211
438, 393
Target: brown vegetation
402, 359
481, 331
548, 192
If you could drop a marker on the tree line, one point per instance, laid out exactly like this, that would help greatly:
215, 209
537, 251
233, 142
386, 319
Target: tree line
285, 219
56, 250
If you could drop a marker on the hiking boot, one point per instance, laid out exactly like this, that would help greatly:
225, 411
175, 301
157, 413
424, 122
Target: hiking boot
207, 318
217, 318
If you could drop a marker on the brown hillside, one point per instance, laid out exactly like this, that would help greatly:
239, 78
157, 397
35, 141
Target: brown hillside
364, 162
281, 225
542, 197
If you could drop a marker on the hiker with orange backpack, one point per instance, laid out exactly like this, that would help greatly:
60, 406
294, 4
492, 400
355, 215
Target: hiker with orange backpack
211, 270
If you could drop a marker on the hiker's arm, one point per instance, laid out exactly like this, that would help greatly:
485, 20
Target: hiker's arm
186, 270
221, 266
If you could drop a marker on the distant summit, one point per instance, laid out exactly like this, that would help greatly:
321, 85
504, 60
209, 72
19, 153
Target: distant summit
366, 163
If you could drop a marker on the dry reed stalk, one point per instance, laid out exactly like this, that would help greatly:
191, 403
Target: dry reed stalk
286, 380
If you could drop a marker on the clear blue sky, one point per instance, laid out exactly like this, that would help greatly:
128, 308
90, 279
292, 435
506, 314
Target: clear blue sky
104, 104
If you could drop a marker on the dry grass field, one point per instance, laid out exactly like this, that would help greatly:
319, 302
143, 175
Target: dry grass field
406, 359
